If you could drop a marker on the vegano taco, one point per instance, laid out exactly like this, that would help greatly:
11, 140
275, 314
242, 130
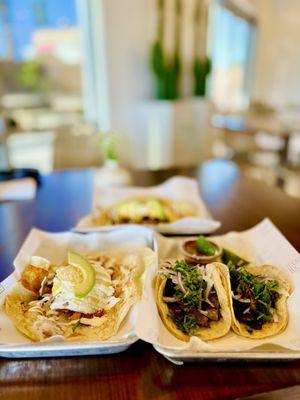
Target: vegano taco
258, 300
84, 299
150, 211
192, 299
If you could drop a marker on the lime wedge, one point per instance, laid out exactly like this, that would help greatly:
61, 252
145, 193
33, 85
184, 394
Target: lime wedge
82, 288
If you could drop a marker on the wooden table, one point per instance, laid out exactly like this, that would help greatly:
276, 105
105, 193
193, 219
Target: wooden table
140, 372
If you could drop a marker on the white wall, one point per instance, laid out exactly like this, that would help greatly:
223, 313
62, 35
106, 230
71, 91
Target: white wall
130, 29
277, 71
127, 53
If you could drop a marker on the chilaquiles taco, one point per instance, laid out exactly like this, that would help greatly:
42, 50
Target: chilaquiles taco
85, 298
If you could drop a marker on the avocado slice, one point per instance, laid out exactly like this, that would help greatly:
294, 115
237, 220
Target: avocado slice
156, 209
137, 210
128, 209
88, 272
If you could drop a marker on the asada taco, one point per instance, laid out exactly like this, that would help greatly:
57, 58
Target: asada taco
258, 298
146, 210
84, 299
192, 299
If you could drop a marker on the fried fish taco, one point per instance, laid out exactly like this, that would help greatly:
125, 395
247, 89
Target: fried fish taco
192, 299
150, 211
85, 299
258, 300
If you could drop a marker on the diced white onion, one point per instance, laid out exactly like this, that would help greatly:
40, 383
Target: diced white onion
169, 300
247, 311
95, 321
238, 297
180, 283
275, 317
204, 312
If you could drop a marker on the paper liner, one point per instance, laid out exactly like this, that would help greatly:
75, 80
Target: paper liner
176, 188
263, 244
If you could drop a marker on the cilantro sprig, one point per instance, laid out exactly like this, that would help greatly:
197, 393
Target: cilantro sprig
194, 284
193, 297
186, 323
263, 293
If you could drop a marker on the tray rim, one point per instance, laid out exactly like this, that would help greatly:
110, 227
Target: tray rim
65, 348
285, 354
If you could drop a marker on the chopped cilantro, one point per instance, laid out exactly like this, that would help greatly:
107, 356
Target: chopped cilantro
262, 293
186, 323
190, 301
194, 284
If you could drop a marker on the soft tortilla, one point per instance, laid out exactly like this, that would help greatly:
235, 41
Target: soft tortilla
269, 328
217, 329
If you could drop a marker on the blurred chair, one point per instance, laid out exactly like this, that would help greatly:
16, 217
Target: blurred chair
265, 162
264, 166
268, 142
22, 100
31, 150
292, 183
70, 103
233, 132
240, 142
294, 149
264, 159
41, 119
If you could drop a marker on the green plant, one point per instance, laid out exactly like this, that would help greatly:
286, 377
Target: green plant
175, 66
202, 64
31, 76
201, 70
166, 70
108, 144
157, 62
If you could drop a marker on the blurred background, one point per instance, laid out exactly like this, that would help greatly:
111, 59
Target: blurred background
173, 82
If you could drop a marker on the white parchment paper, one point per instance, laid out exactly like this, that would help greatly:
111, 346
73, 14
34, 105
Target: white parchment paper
176, 188
263, 244
54, 247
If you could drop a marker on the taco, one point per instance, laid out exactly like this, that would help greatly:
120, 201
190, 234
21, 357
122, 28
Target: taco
258, 300
150, 211
86, 298
192, 299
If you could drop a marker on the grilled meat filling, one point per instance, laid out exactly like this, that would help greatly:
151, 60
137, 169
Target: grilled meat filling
254, 297
189, 304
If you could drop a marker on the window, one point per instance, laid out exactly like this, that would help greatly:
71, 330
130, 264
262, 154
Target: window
231, 49
21, 21
40, 77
